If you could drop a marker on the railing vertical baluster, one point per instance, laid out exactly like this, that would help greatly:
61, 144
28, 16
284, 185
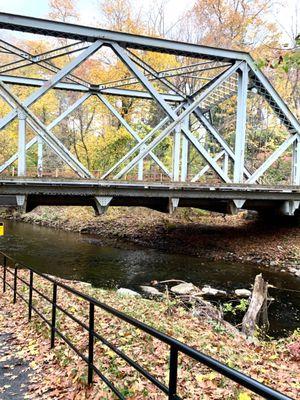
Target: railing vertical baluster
53, 322
15, 284
91, 343
30, 295
173, 372
4, 273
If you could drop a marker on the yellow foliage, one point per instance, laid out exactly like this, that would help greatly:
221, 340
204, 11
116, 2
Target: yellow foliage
244, 396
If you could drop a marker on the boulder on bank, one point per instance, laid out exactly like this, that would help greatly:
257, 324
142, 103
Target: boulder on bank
245, 293
184, 288
127, 292
151, 291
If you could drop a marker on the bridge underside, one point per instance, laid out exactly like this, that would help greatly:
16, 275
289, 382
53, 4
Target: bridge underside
28, 194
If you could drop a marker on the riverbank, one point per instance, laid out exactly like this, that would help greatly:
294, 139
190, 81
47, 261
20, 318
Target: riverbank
208, 236
60, 374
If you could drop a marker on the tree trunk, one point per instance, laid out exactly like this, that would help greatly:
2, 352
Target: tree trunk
257, 313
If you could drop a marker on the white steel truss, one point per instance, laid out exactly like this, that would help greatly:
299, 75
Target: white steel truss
229, 74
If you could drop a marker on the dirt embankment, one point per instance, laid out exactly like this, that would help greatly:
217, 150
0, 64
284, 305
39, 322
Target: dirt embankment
208, 236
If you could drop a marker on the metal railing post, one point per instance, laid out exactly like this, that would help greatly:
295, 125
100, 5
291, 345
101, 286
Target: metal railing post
173, 372
91, 343
15, 284
4, 273
53, 322
30, 295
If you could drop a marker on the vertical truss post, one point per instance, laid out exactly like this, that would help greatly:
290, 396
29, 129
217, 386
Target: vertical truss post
185, 152
296, 162
226, 162
40, 156
22, 144
241, 119
176, 153
141, 169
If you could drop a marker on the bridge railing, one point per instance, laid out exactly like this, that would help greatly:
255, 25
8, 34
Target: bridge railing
32, 172
175, 347
64, 173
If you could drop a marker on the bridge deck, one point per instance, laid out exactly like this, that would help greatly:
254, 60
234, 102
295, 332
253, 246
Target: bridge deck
156, 195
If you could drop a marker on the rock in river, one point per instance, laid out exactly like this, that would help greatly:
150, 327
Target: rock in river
209, 291
183, 288
243, 292
151, 291
127, 292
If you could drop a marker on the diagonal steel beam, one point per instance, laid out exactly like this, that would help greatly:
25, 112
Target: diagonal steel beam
132, 132
154, 73
53, 81
165, 106
191, 137
272, 158
139, 145
34, 140
207, 167
47, 135
215, 133
209, 127
41, 59
272, 93
160, 75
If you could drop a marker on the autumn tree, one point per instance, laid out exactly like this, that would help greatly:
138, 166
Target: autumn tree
235, 24
63, 10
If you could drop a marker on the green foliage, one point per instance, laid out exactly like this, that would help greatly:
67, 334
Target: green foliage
110, 147
231, 308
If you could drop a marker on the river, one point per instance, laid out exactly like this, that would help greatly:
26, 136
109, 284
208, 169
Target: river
82, 257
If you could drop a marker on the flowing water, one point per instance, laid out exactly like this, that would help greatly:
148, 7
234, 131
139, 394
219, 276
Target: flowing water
82, 257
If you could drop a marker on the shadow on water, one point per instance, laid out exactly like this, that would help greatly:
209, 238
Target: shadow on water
81, 257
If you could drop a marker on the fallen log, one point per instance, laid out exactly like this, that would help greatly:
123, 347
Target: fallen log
256, 316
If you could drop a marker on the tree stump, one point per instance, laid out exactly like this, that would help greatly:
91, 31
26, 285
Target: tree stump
257, 313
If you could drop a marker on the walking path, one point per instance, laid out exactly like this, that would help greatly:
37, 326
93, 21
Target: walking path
14, 372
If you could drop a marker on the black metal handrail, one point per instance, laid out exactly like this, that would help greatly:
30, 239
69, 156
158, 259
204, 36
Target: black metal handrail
176, 346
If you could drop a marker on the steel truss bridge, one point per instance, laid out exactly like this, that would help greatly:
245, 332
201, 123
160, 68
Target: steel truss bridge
187, 120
